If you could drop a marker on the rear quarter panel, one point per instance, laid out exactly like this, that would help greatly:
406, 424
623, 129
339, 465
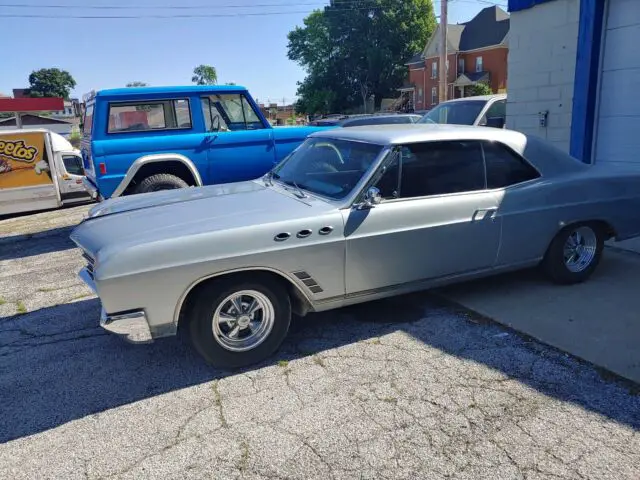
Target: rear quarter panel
532, 214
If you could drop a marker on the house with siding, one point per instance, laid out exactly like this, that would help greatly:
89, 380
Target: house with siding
477, 51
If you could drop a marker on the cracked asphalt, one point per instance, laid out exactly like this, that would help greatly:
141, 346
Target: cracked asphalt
407, 388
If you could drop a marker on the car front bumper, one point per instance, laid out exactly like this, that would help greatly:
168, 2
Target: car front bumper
132, 326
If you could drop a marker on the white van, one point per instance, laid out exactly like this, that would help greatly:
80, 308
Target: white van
483, 110
39, 169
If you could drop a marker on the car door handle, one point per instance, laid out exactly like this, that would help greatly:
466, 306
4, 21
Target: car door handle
483, 213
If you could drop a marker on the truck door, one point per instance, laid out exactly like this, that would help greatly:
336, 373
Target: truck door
70, 176
27, 174
240, 147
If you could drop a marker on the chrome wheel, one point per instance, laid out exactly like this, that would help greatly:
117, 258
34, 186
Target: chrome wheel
580, 249
243, 320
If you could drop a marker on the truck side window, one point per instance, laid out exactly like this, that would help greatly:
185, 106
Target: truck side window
229, 112
73, 164
149, 115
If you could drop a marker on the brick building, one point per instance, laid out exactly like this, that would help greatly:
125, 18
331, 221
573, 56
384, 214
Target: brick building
476, 52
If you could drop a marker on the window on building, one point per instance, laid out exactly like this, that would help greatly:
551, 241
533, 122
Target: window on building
434, 95
434, 69
146, 116
229, 112
434, 168
504, 167
447, 66
420, 93
460, 65
479, 64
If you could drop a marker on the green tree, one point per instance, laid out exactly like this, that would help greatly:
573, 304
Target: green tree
51, 82
137, 84
351, 52
480, 88
204, 75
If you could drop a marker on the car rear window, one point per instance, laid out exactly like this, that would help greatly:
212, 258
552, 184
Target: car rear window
149, 116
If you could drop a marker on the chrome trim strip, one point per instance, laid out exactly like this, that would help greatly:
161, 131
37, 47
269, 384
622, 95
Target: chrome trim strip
133, 327
87, 278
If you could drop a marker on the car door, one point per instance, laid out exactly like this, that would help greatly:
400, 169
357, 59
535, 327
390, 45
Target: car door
436, 219
496, 114
239, 145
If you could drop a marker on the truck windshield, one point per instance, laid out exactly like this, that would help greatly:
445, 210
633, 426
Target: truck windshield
458, 112
327, 166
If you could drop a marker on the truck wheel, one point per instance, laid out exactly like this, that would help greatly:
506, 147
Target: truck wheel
574, 253
238, 322
160, 181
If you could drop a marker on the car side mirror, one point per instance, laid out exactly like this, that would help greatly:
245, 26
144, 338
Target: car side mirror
372, 197
496, 122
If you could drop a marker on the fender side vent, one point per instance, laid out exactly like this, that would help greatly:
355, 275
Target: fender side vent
309, 281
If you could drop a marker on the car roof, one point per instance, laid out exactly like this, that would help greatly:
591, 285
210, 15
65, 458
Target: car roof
547, 158
403, 133
129, 91
484, 98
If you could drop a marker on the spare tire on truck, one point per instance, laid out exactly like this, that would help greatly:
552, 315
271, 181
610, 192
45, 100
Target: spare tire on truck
160, 181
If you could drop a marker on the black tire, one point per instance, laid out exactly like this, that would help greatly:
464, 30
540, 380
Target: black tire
209, 298
160, 181
554, 264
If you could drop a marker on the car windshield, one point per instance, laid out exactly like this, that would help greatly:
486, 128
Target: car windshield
458, 113
326, 166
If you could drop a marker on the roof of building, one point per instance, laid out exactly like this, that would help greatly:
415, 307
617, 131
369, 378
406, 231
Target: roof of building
30, 119
489, 27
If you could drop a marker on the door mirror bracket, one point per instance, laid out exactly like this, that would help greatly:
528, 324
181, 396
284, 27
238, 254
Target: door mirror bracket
372, 197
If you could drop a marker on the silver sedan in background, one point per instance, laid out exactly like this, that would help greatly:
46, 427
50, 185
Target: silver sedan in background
352, 215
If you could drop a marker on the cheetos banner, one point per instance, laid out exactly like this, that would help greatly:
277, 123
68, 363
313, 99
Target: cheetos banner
23, 160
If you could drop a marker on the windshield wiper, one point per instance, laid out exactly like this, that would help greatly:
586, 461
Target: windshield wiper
300, 192
269, 176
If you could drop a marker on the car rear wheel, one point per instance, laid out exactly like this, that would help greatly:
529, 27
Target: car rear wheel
160, 181
236, 323
574, 253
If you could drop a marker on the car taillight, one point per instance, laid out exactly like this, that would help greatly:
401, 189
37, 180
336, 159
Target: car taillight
103, 168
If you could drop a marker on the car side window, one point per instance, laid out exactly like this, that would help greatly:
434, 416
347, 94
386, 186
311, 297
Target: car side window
504, 167
434, 168
229, 112
73, 164
497, 110
149, 115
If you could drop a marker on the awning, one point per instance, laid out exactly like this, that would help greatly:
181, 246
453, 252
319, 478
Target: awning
471, 78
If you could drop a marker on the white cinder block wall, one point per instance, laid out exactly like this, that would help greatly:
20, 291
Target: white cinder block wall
541, 67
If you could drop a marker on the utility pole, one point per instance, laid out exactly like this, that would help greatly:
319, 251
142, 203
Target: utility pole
442, 91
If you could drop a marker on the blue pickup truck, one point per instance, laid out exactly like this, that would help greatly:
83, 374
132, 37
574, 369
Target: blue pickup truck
144, 139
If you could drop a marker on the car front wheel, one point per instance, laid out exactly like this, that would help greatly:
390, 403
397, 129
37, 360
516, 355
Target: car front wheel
574, 253
236, 323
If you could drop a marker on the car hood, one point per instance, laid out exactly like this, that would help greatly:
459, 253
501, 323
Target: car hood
151, 218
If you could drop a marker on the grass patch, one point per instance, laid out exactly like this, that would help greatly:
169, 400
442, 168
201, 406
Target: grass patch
21, 307
2, 301
283, 363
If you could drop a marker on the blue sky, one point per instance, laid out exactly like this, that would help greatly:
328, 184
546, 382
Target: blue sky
107, 53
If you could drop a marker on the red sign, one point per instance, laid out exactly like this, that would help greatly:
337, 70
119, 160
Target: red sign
52, 104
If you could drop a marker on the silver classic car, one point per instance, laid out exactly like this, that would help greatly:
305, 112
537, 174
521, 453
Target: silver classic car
351, 215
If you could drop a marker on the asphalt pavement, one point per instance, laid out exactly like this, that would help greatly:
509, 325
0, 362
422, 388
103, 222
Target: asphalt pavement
403, 388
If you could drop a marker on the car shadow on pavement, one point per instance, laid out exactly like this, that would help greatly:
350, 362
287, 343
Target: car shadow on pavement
57, 365
28, 245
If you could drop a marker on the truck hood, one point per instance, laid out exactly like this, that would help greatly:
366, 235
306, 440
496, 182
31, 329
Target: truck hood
151, 218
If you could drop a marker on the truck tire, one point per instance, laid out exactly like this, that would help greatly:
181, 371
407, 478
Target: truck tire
160, 181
